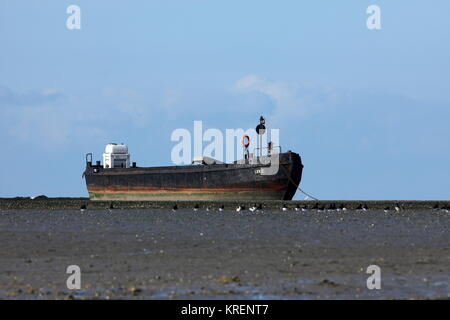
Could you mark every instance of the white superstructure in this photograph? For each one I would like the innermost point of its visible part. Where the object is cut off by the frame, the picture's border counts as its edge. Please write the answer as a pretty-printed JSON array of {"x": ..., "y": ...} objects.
[{"x": 116, "y": 156}]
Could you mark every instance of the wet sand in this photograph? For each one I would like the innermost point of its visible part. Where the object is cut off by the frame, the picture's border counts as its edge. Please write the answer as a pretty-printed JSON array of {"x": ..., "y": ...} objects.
[{"x": 160, "y": 254}]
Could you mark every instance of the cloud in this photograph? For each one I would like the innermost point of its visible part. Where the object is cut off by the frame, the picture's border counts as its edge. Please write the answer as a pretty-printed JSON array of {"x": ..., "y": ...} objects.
[
  {"x": 129, "y": 104},
  {"x": 10, "y": 98},
  {"x": 46, "y": 117},
  {"x": 170, "y": 98},
  {"x": 34, "y": 115},
  {"x": 50, "y": 117},
  {"x": 45, "y": 124},
  {"x": 290, "y": 101}
]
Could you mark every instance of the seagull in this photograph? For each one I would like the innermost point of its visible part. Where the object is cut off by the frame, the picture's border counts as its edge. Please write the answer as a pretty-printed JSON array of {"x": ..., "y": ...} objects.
[
  {"x": 207, "y": 208},
  {"x": 297, "y": 208},
  {"x": 365, "y": 207},
  {"x": 304, "y": 208},
  {"x": 240, "y": 208},
  {"x": 252, "y": 208},
  {"x": 397, "y": 207},
  {"x": 83, "y": 207},
  {"x": 221, "y": 208},
  {"x": 175, "y": 208},
  {"x": 387, "y": 209},
  {"x": 196, "y": 207},
  {"x": 284, "y": 208},
  {"x": 342, "y": 207}
]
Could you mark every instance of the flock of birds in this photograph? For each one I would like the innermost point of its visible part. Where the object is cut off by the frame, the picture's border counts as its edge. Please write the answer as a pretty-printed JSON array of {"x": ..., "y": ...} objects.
[{"x": 303, "y": 208}]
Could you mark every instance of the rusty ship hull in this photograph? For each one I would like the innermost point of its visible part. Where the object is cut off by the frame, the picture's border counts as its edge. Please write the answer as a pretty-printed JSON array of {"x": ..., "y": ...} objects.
[{"x": 236, "y": 181}]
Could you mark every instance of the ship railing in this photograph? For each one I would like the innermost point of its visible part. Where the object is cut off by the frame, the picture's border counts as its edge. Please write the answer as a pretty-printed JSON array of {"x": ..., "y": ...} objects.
[
  {"x": 266, "y": 151},
  {"x": 89, "y": 159}
]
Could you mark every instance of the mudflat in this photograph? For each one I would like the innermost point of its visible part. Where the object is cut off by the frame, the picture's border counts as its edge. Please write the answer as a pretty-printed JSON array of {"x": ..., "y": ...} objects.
[{"x": 187, "y": 254}]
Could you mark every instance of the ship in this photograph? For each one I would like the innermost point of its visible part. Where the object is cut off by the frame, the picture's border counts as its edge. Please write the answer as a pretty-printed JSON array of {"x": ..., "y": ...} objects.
[{"x": 272, "y": 175}]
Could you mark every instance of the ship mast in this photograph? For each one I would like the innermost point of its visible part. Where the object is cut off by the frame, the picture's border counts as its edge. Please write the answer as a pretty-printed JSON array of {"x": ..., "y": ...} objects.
[{"x": 260, "y": 129}]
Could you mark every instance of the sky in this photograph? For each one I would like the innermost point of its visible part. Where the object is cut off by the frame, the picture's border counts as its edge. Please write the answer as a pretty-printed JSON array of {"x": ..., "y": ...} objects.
[{"x": 367, "y": 110}]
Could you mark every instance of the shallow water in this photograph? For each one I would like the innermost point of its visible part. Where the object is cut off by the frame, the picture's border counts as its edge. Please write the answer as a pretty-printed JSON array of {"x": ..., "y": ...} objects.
[{"x": 160, "y": 254}]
